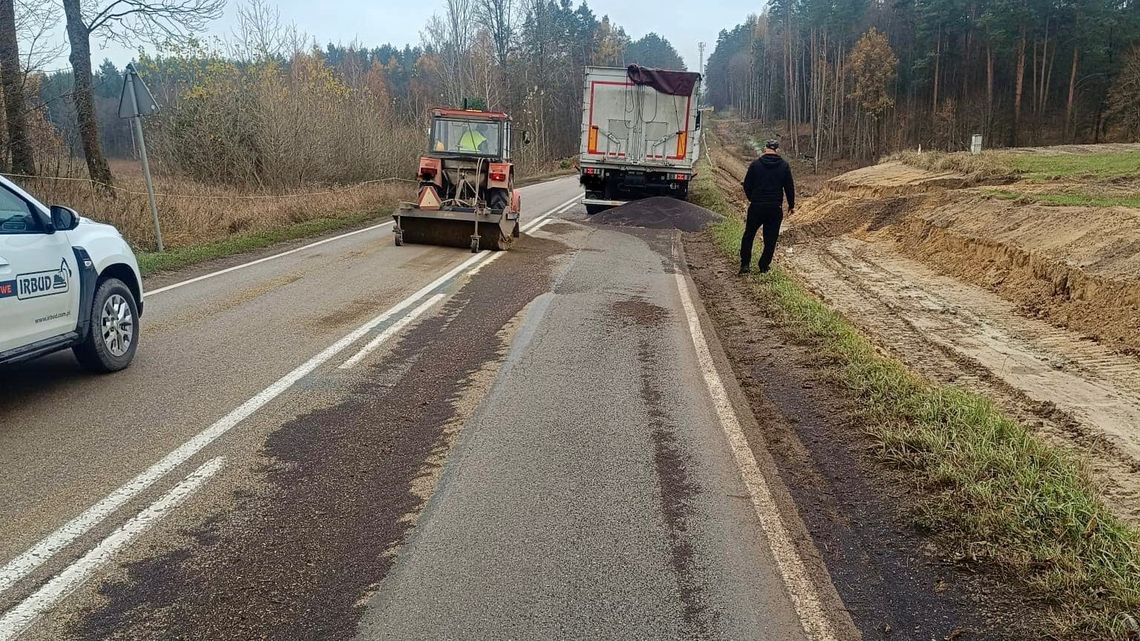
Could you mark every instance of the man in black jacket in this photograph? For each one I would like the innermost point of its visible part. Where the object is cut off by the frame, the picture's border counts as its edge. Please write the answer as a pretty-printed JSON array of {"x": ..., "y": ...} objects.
[{"x": 768, "y": 180}]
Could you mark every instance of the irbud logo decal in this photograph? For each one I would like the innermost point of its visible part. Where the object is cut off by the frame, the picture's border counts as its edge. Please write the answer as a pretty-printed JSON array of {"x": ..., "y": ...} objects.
[{"x": 38, "y": 284}]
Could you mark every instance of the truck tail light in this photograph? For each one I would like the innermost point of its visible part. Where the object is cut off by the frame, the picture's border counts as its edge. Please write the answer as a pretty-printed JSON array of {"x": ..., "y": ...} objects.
[
  {"x": 591, "y": 171},
  {"x": 681, "y": 177},
  {"x": 498, "y": 176},
  {"x": 593, "y": 140}
]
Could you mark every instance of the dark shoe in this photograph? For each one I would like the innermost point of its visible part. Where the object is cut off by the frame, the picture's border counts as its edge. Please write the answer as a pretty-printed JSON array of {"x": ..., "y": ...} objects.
[
  {"x": 744, "y": 271},
  {"x": 765, "y": 270}
]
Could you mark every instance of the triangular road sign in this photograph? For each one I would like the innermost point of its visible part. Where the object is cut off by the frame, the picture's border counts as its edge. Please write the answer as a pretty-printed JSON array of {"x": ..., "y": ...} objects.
[{"x": 142, "y": 103}]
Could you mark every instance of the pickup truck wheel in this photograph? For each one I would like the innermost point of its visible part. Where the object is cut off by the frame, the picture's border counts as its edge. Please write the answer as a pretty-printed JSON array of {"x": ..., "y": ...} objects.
[{"x": 113, "y": 337}]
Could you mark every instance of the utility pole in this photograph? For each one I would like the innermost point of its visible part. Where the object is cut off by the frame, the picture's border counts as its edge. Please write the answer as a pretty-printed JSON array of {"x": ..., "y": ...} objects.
[{"x": 701, "y": 69}]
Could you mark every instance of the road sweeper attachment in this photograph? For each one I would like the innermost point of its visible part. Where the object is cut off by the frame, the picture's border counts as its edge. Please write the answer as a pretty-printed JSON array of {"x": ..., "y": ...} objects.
[{"x": 467, "y": 196}]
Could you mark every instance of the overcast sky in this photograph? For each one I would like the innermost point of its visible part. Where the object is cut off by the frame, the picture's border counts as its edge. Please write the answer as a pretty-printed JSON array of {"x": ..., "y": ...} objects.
[{"x": 371, "y": 23}]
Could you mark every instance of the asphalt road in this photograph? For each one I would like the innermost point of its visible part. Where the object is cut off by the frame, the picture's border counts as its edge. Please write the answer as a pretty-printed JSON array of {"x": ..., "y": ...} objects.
[{"x": 534, "y": 449}]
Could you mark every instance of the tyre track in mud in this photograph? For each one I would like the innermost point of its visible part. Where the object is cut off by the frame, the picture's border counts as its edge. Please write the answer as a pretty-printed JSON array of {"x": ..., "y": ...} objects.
[{"x": 1077, "y": 393}]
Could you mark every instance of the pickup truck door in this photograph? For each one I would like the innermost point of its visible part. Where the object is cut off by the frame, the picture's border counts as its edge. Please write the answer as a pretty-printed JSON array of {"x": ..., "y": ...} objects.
[{"x": 39, "y": 277}]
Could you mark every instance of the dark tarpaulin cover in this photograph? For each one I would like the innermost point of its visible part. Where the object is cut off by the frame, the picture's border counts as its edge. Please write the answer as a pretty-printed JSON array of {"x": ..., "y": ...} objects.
[{"x": 674, "y": 83}]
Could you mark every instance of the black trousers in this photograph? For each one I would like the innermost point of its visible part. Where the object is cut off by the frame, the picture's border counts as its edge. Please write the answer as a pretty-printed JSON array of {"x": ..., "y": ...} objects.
[{"x": 768, "y": 217}]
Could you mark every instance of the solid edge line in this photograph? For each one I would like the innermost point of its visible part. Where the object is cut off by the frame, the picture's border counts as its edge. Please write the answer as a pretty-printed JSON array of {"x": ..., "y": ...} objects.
[
  {"x": 263, "y": 260},
  {"x": 801, "y": 590},
  {"x": 394, "y": 329},
  {"x": 45, "y": 548},
  {"x": 27, "y": 611}
]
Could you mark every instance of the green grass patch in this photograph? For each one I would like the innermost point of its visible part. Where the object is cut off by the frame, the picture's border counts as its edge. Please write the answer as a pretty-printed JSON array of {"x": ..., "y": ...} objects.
[
  {"x": 151, "y": 262},
  {"x": 1076, "y": 199},
  {"x": 1098, "y": 166},
  {"x": 1038, "y": 166},
  {"x": 1003, "y": 496}
]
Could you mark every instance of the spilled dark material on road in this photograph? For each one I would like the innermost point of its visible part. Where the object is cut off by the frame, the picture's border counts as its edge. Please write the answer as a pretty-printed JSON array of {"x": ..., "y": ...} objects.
[
  {"x": 297, "y": 560},
  {"x": 659, "y": 212},
  {"x": 894, "y": 582},
  {"x": 677, "y": 489}
]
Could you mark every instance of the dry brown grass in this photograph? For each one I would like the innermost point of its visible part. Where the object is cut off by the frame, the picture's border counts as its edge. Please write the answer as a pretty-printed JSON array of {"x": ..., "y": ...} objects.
[
  {"x": 192, "y": 213},
  {"x": 980, "y": 168}
]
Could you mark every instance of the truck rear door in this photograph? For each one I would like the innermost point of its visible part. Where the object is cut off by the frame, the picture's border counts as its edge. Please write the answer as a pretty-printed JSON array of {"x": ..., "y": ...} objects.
[{"x": 609, "y": 131}]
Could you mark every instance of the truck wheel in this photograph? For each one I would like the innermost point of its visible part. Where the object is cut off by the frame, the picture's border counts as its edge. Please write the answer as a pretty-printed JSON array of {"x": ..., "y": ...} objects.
[
  {"x": 113, "y": 336},
  {"x": 595, "y": 209}
]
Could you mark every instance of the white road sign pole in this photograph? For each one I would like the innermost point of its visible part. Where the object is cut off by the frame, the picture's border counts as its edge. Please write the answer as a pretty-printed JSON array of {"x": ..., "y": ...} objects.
[{"x": 133, "y": 94}]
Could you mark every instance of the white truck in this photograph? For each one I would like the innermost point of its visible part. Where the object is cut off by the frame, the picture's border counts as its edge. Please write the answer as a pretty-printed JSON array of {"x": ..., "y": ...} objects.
[
  {"x": 640, "y": 134},
  {"x": 65, "y": 282}
]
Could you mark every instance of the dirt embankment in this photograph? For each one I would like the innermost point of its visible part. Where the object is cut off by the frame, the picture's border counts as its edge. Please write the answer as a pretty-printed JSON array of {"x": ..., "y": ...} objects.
[{"x": 1077, "y": 267}]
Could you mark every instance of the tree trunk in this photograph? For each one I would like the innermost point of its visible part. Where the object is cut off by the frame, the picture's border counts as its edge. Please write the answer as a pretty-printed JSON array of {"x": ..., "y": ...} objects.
[
  {"x": 84, "y": 96},
  {"x": 937, "y": 69},
  {"x": 1036, "y": 94},
  {"x": 23, "y": 161},
  {"x": 1019, "y": 87},
  {"x": 989, "y": 91},
  {"x": 1048, "y": 79},
  {"x": 1069, "y": 132}
]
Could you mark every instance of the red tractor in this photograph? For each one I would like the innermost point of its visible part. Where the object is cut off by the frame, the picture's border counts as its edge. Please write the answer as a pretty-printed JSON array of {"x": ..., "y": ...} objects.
[{"x": 466, "y": 196}]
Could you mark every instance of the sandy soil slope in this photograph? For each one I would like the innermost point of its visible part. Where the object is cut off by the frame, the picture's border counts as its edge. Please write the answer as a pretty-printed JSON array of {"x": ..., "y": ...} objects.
[{"x": 1037, "y": 306}]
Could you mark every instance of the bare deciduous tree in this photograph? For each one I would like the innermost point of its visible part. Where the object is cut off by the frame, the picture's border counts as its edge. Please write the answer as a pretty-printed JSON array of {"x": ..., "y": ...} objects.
[
  {"x": 498, "y": 18},
  {"x": 35, "y": 22},
  {"x": 126, "y": 22},
  {"x": 1124, "y": 98},
  {"x": 260, "y": 34},
  {"x": 13, "y": 81}
]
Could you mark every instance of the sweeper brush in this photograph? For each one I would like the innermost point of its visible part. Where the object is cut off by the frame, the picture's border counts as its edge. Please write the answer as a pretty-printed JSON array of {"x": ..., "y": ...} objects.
[
  {"x": 466, "y": 196},
  {"x": 415, "y": 227}
]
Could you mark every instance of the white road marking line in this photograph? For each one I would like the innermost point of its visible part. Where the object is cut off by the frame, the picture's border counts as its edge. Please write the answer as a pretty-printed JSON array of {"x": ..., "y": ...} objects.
[
  {"x": 561, "y": 209},
  {"x": 541, "y": 225},
  {"x": 66, "y": 534},
  {"x": 801, "y": 589},
  {"x": 396, "y": 327},
  {"x": 478, "y": 268},
  {"x": 27, "y": 611},
  {"x": 251, "y": 263},
  {"x": 235, "y": 268}
]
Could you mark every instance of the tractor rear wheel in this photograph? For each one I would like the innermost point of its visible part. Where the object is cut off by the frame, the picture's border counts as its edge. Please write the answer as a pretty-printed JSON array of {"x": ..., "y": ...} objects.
[{"x": 498, "y": 200}]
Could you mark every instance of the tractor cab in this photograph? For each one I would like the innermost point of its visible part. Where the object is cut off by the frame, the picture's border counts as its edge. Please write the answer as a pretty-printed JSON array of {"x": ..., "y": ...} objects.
[{"x": 458, "y": 133}]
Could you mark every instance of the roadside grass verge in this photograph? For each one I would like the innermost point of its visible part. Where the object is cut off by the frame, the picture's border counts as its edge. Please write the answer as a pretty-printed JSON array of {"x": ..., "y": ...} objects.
[
  {"x": 203, "y": 222},
  {"x": 1076, "y": 199},
  {"x": 151, "y": 262},
  {"x": 995, "y": 492}
]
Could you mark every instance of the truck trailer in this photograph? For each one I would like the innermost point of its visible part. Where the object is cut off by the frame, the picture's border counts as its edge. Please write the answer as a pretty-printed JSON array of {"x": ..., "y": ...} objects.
[{"x": 640, "y": 134}]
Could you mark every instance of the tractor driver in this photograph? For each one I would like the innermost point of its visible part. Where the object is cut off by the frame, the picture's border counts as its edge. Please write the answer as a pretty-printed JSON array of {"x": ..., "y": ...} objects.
[{"x": 474, "y": 140}]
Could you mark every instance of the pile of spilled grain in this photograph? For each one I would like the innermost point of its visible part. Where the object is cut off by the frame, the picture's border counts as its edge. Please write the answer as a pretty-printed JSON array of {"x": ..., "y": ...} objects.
[{"x": 658, "y": 213}]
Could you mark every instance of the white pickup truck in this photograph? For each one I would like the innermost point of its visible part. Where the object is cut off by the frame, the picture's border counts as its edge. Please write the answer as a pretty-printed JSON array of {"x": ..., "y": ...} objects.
[{"x": 65, "y": 282}]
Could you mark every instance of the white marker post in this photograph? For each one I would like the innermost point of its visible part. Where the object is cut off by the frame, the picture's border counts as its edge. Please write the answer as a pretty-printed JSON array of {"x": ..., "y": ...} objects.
[{"x": 135, "y": 105}]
